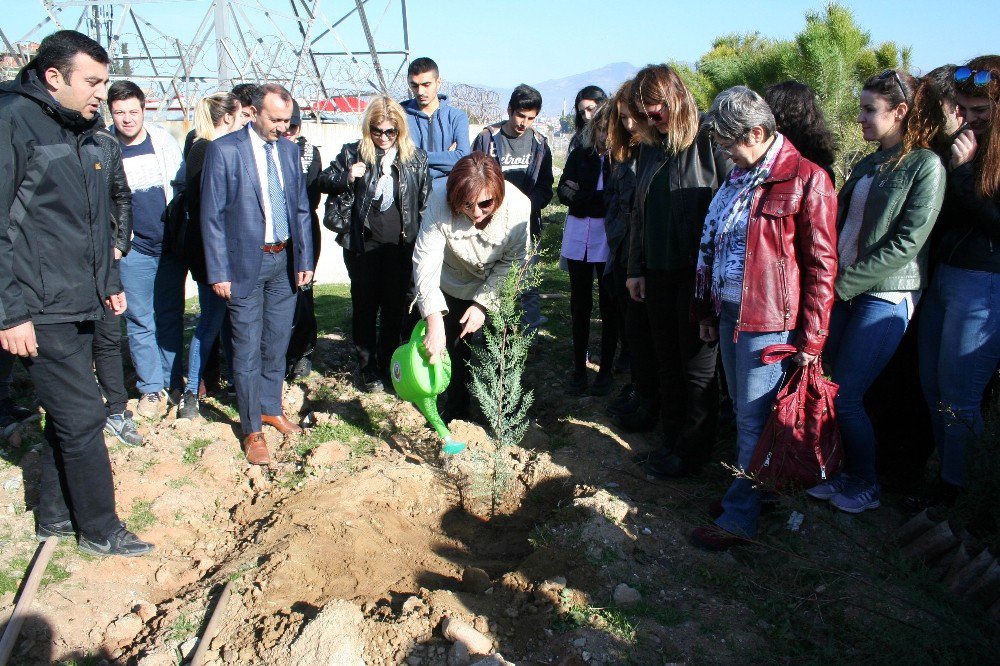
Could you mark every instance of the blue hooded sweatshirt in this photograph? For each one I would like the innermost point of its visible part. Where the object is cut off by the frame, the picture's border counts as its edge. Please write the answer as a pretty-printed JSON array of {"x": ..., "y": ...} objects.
[{"x": 436, "y": 133}]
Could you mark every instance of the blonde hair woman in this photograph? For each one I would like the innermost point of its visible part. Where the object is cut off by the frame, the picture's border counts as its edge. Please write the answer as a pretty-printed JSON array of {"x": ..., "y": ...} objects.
[{"x": 378, "y": 189}]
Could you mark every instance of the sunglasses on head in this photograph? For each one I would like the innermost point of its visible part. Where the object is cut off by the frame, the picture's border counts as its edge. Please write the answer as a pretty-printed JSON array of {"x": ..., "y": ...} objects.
[
  {"x": 980, "y": 77},
  {"x": 891, "y": 72},
  {"x": 485, "y": 204},
  {"x": 387, "y": 133}
]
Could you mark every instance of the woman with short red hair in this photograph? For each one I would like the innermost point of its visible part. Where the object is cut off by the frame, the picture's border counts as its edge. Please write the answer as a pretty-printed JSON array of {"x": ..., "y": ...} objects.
[{"x": 472, "y": 233}]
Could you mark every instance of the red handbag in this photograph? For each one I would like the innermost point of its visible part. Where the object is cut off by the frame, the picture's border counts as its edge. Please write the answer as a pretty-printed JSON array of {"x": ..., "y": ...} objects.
[{"x": 800, "y": 445}]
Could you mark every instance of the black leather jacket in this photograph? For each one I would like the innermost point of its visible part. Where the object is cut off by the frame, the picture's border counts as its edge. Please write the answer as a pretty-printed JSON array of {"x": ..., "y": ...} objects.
[
  {"x": 694, "y": 175},
  {"x": 969, "y": 225},
  {"x": 348, "y": 204},
  {"x": 121, "y": 194}
]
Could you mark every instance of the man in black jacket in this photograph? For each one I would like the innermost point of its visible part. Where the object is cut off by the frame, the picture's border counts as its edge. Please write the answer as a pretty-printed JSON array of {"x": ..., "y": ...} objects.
[
  {"x": 526, "y": 161},
  {"x": 56, "y": 275}
]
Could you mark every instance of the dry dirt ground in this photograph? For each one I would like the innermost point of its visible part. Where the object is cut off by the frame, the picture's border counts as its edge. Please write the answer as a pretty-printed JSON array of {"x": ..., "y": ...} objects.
[{"x": 360, "y": 539}]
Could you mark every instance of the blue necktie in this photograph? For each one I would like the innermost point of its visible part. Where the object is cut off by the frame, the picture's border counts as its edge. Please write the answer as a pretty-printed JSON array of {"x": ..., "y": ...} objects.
[{"x": 279, "y": 214}]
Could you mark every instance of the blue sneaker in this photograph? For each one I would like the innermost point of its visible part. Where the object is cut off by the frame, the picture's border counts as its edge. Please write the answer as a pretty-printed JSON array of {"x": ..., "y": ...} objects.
[
  {"x": 858, "y": 497},
  {"x": 830, "y": 488}
]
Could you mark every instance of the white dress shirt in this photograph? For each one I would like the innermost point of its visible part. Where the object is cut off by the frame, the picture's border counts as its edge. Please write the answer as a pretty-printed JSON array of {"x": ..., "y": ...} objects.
[{"x": 260, "y": 157}]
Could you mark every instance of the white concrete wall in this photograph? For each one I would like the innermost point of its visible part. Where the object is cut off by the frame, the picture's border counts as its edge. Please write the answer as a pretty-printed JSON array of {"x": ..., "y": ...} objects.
[{"x": 329, "y": 138}]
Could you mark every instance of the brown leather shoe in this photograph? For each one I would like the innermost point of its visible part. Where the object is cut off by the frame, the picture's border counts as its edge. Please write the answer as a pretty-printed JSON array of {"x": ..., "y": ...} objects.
[
  {"x": 255, "y": 447},
  {"x": 281, "y": 424}
]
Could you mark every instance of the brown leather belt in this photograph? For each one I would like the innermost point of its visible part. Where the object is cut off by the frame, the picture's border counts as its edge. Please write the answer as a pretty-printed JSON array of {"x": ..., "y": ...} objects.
[{"x": 274, "y": 248}]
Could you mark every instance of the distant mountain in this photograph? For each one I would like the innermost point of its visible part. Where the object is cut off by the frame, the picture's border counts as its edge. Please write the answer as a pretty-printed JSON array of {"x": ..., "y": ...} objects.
[{"x": 555, "y": 91}]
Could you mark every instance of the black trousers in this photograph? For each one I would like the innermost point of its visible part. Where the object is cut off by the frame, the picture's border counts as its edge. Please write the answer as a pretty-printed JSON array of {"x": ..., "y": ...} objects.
[
  {"x": 303, "y": 340},
  {"x": 642, "y": 353},
  {"x": 581, "y": 305},
  {"x": 459, "y": 398},
  {"x": 379, "y": 281},
  {"x": 75, "y": 469},
  {"x": 689, "y": 392},
  {"x": 619, "y": 292},
  {"x": 108, "y": 361},
  {"x": 900, "y": 416}
]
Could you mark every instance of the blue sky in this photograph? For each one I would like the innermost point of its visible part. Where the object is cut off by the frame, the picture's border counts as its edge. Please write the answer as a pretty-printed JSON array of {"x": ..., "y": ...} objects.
[{"x": 502, "y": 43}]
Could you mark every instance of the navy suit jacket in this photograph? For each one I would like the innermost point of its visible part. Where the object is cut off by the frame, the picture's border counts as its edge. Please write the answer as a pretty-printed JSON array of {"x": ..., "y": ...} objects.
[{"x": 232, "y": 211}]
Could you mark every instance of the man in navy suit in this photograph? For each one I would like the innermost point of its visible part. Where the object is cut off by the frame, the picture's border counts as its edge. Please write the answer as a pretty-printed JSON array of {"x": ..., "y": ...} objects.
[{"x": 258, "y": 252}]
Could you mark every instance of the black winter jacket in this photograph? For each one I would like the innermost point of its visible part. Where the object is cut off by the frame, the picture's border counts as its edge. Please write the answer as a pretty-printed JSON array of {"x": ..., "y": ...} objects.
[
  {"x": 694, "y": 174},
  {"x": 348, "y": 204},
  {"x": 619, "y": 197},
  {"x": 537, "y": 184},
  {"x": 121, "y": 193},
  {"x": 969, "y": 226},
  {"x": 56, "y": 262},
  {"x": 583, "y": 167}
]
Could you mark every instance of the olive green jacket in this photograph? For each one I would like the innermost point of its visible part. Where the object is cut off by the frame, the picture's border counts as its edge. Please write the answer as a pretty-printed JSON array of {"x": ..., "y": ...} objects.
[{"x": 903, "y": 204}]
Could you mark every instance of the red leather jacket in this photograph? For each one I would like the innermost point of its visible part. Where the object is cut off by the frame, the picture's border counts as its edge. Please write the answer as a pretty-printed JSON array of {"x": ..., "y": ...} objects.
[{"x": 791, "y": 260}]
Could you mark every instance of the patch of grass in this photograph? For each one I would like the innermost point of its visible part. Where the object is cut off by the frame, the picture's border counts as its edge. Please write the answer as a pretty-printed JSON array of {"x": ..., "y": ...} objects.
[
  {"x": 341, "y": 431},
  {"x": 183, "y": 627},
  {"x": 142, "y": 516},
  {"x": 193, "y": 451},
  {"x": 333, "y": 307},
  {"x": 612, "y": 620},
  {"x": 541, "y": 536},
  {"x": 668, "y": 616},
  {"x": 145, "y": 467},
  {"x": 229, "y": 411},
  {"x": 9, "y": 581},
  {"x": 179, "y": 482}
]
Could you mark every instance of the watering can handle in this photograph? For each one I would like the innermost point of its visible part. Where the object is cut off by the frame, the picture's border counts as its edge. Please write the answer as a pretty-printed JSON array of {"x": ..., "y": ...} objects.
[{"x": 417, "y": 337}]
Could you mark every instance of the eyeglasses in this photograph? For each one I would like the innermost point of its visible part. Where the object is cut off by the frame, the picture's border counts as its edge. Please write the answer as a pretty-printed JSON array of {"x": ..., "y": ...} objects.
[
  {"x": 485, "y": 204},
  {"x": 891, "y": 72},
  {"x": 387, "y": 133},
  {"x": 980, "y": 77}
]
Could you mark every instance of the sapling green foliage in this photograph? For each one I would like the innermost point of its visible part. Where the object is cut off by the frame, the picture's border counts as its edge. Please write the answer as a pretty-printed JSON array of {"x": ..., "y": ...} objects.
[
  {"x": 497, "y": 366},
  {"x": 497, "y": 370}
]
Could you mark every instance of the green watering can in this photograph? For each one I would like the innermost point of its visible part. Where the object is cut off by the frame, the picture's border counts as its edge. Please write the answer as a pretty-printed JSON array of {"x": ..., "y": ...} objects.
[{"x": 419, "y": 382}]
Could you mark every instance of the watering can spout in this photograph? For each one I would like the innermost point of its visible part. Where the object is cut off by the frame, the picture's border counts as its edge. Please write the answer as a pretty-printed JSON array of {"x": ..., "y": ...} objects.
[{"x": 419, "y": 382}]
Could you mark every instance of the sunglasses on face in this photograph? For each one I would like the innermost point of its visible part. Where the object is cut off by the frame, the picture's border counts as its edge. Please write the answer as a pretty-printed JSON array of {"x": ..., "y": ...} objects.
[
  {"x": 980, "y": 77},
  {"x": 387, "y": 133},
  {"x": 656, "y": 116},
  {"x": 485, "y": 204}
]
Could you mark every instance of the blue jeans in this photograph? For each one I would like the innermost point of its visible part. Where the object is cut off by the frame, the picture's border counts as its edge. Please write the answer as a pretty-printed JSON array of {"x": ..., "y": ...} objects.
[
  {"x": 959, "y": 342},
  {"x": 154, "y": 288},
  {"x": 262, "y": 326},
  {"x": 864, "y": 334},
  {"x": 752, "y": 388},
  {"x": 213, "y": 311}
]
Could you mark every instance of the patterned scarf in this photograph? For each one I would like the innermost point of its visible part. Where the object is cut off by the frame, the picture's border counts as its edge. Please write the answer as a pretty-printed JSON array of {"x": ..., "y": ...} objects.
[
  {"x": 383, "y": 188},
  {"x": 718, "y": 238}
]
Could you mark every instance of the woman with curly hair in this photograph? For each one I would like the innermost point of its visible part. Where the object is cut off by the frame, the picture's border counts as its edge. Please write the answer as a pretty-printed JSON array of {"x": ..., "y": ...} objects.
[
  {"x": 887, "y": 209},
  {"x": 799, "y": 117},
  {"x": 960, "y": 325}
]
